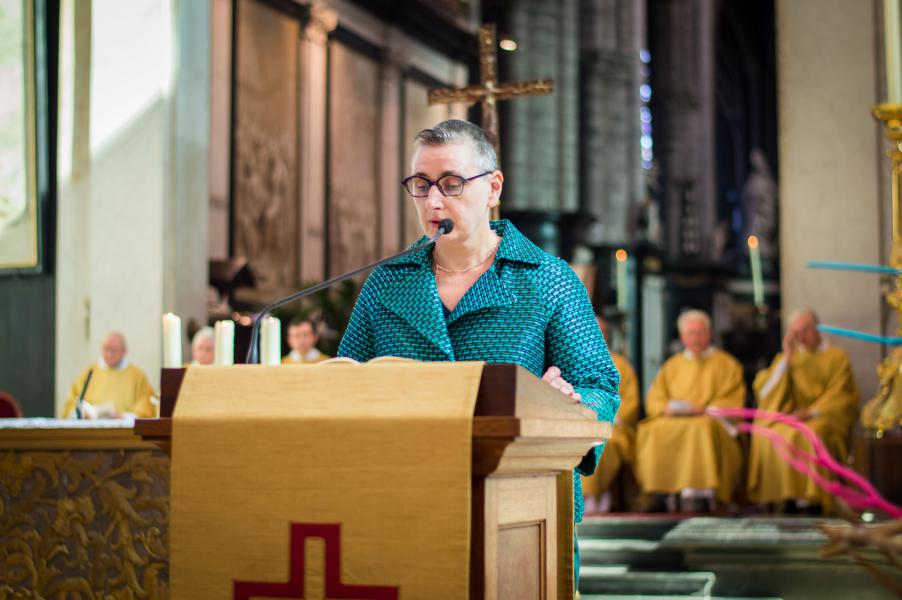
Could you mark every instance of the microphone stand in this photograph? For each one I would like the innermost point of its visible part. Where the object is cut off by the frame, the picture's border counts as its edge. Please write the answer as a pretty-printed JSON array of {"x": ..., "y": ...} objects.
[
  {"x": 252, "y": 358},
  {"x": 80, "y": 402}
]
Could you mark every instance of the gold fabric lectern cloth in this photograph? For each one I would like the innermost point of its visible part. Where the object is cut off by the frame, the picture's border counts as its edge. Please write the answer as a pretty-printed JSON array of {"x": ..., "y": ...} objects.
[{"x": 383, "y": 451}]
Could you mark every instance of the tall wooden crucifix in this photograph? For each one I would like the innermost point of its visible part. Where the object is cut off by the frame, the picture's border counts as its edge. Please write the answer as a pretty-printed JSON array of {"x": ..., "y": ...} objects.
[{"x": 489, "y": 91}]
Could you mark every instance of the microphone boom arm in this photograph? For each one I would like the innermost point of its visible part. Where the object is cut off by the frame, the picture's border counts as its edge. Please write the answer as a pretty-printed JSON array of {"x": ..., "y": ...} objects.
[{"x": 252, "y": 357}]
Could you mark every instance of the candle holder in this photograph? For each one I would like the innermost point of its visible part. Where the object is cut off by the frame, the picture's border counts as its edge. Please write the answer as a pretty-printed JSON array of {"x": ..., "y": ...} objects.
[{"x": 884, "y": 411}]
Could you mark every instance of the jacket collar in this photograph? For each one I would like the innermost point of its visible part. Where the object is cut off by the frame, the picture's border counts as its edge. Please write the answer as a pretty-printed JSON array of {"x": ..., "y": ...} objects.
[
  {"x": 415, "y": 298},
  {"x": 489, "y": 291},
  {"x": 514, "y": 247}
]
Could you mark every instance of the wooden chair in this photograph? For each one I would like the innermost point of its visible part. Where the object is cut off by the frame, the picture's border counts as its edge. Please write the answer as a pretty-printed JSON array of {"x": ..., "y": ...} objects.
[{"x": 9, "y": 408}]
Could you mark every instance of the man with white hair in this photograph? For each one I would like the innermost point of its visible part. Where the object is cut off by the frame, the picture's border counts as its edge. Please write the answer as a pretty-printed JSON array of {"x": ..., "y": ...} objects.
[
  {"x": 203, "y": 346},
  {"x": 116, "y": 388},
  {"x": 812, "y": 381},
  {"x": 679, "y": 449}
]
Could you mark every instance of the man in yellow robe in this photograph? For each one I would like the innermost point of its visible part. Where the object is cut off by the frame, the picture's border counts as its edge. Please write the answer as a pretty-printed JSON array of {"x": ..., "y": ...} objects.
[
  {"x": 620, "y": 449},
  {"x": 302, "y": 340},
  {"x": 679, "y": 449},
  {"x": 116, "y": 389},
  {"x": 812, "y": 381}
]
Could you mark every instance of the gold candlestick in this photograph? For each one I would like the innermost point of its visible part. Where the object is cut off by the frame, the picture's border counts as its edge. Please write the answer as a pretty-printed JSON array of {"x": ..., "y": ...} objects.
[
  {"x": 884, "y": 411},
  {"x": 891, "y": 115}
]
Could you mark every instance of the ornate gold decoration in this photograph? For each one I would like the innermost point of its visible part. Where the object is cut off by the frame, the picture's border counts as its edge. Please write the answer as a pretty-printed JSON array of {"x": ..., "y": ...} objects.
[
  {"x": 884, "y": 411},
  {"x": 84, "y": 524}
]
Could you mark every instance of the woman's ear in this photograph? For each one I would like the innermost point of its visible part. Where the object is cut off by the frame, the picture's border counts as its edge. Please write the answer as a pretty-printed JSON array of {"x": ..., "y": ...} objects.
[{"x": 496, "y": 182}]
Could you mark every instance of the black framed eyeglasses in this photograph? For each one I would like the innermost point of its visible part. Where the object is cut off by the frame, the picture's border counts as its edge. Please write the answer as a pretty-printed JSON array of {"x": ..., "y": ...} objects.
[{"x": 449, "y": 185}]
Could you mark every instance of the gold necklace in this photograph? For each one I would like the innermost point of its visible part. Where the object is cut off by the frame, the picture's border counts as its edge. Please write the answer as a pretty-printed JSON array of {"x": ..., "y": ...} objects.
[{"x": 468, "y": 269}]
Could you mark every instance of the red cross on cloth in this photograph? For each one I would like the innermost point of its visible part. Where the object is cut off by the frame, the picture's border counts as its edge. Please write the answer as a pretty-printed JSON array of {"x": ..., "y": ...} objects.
[{"x": 294, "y": 588}]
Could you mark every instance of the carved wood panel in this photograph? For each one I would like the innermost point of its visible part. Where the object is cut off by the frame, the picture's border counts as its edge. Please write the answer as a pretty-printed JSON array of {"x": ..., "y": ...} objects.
[{"x": 84, "y": 524}]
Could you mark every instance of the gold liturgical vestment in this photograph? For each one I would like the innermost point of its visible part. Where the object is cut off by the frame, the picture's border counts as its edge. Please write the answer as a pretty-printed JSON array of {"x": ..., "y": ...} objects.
[
  {"x": 675, "y": 453},
  {"x": 126, "y": 389},
  {"x": 621, "y": 447},
  {"x": 820, "y": 381}
]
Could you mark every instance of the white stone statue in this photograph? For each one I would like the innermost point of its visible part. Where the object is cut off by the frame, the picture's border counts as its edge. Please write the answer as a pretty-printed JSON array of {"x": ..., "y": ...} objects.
[{"x": 759, "y": 204}]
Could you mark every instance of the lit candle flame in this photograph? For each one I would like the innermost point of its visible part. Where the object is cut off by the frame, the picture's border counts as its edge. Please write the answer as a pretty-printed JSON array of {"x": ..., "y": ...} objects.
[{"x": 507, "y": 44}]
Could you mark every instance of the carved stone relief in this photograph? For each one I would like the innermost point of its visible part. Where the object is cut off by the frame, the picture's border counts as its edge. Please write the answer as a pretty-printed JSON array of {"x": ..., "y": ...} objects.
[
  {"x": 266, "y": 139},
  {"x": 353, "y": 186}
]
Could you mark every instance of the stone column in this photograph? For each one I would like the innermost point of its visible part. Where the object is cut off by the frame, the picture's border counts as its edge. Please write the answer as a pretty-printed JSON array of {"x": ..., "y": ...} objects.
[
  {"x": 611, "y": 36},
  {"x": 73, "y": 235},
  {"x": 832, "y": 164},
  {"x": 187, "y": 201},
  {"x": 312, "y": 184},
  {"x": 390, "y": 161},
  {"x": 132, "y": 224},
  {"x": 540, "y": 141},
  {"x": 683, "y": 78},
  {"x": 220, "y": 126}
]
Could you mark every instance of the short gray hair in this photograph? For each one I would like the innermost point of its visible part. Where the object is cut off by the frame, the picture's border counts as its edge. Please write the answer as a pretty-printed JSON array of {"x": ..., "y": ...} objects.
[
  {"x": 202, "y": 334},
  {"x": 456, "y": 130},
  {"x": 693, "y": 315}
]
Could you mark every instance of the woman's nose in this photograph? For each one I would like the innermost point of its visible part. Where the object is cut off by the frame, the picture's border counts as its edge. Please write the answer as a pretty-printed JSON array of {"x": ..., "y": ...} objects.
[{"x": 434, "y": 198}]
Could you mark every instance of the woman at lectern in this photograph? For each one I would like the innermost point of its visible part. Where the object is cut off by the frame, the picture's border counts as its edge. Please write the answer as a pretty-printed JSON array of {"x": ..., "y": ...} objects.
[{"x": 483, "y": 291}]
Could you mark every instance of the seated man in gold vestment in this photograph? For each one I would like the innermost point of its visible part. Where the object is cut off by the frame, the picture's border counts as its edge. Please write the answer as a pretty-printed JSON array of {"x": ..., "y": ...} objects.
[
  {"x": 302, "y": 340},
  {"x": 679, "y": 449},
  {"x": 812, "y": 381},
  {"x": 620, "y": 449},
  {"x": 116, "y": 388}
]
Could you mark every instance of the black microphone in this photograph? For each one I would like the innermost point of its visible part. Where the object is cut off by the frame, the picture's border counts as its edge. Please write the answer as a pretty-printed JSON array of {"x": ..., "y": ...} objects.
[{"x": 445, "y": 226}]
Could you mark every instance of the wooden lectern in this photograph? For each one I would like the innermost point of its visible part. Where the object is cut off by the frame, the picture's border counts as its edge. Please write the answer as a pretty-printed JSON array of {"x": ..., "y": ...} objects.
[{"x": 526, "y": 439}]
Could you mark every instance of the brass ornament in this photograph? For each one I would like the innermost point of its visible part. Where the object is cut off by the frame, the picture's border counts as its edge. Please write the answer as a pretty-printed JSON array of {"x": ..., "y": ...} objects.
[{"x": 884, "y": 411}]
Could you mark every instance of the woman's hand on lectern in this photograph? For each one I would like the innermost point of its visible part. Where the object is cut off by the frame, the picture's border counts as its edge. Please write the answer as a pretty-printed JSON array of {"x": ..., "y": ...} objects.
[{"x": 553, "y": 377}]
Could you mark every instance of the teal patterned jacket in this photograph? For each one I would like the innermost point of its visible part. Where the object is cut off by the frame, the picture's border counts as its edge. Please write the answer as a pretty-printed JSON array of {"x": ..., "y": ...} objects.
[{"x": 529, "y": 309}]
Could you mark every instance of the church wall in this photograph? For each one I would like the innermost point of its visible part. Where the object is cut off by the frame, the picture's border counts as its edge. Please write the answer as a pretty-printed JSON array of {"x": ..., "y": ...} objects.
[
  {"x": 540, "y": 151},
  {"x": 611, "y": 174},
  {"x": 220, "y": 117},
  {"x": 185, "y": 231},
  {"x": 125, "y": 257},
  {"x": 831, "y": 166},
  {"x": 132, "y": 219}
]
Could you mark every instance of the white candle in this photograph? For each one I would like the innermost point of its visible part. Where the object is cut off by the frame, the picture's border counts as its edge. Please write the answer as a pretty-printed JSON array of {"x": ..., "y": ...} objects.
[
  {"x": 271, "y": 342},
  {"x": 757, "y": 279},
  {"x": 224, "y": 353},
  {"x": 622, "y": 264},
  {"x": 892, "y": 46},
  {"x": 172, "y": 341}
]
